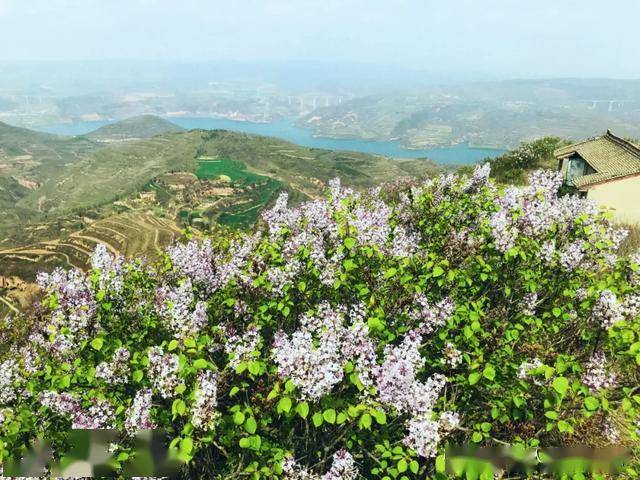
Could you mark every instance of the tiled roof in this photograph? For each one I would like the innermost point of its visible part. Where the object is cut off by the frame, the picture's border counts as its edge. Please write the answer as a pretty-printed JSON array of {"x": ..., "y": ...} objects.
[{"x": 610, "y": 156}]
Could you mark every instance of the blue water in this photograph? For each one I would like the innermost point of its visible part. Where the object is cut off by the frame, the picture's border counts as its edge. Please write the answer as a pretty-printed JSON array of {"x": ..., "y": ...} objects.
[{"x": 285, "y": 129}]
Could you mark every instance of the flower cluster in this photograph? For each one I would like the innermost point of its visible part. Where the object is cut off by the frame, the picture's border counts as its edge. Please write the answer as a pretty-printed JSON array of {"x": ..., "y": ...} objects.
[
  {"x": 75, "y": 308},
  {"x": 163, "y": 371},
  {"x": 116, "y": 371},
  {"x": 138, "y": 416},
  {"x": 109, "y": 269},
  {"x": 607, "y": 310},
  {"x": 99, "y": 415},
  {"x": 206, "y": 401},
  {"x": 314, "y": 356},
  {"x": 174, "y": 304},
  {"x": 9, "y": 374},
  {"x": 240, "y": 347},
  {"x": 596, "y": 375},
  {"x": 342, "y": 468}
]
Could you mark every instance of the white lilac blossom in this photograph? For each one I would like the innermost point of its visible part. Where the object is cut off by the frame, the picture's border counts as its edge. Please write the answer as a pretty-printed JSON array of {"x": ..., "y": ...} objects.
[
  {"x": 240, "y": 347},
  {"x": 174, "y": 305},
  {"x": 8, "y": 377},
  {"x": 529, "y": 303},
  {"x": 195, "y": 262},
  {"x": 607, "y": 310},
  {"x": 314, "y": 356},
  {"x": 503, "y": 231},
  {"x": 548, "y": 251},
  {"x": 596, "y": 375},
  {"x": 117, "y": 371},
  {"x": 343, "y": 467},
  {"x": 281, "y": 277},
  {"x": 572, "y": 255},
  {"x": 396, "y": 378},
  {"x": 206, "y": 400},
  {"x": 109, "y": 269},
  {"x": 526, "y": 368},
  {"x": 451, "y": 355},
  {"x": 423, "y": 435},
  {"x": 138, "y": 416},
  {"x": 76, "y": 306},
  {"x": 99, "y": 415},
  {"x": 163, "y": 371},
  {"x": 430, "y": 317},
  {"x": 631, "y": 305}
]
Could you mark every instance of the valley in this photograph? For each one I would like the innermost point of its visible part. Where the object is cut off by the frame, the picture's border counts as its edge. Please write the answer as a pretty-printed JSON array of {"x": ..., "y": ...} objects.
[{"x": 136, "y": 185}]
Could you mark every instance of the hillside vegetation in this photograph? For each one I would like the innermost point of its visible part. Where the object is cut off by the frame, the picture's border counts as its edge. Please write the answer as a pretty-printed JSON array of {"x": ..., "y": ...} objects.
[
  {"x": 142, "y": 126},
  {"x": 349, "y": 337},
  {"x": 57, "y": 194}
]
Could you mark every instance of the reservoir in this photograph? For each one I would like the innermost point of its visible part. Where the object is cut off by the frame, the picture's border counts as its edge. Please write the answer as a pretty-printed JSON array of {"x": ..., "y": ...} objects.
[{"x": 287, "y": 130}]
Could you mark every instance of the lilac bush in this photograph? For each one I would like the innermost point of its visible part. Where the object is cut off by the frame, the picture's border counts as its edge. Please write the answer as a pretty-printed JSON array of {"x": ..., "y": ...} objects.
[{"x": 351, "y": 336}]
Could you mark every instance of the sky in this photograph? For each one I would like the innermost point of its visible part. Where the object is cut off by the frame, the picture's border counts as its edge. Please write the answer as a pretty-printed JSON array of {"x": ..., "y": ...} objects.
[{"x": 487, "y": 38}]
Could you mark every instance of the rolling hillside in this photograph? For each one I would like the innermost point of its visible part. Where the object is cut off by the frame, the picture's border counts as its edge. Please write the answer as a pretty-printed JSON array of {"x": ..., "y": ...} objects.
[
  {"x": 59, "y": 196},
  {"x": 142, "y": 126}
]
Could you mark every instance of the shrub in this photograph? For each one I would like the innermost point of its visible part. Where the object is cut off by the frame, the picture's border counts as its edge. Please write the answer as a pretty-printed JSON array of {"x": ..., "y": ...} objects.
[
  {"x": 350, "y": 336},
  {"x": 514, "y": 166}
]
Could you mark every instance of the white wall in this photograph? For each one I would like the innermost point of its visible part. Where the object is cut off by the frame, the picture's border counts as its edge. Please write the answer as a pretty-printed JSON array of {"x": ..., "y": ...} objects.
[{"x": 623, "y": 196}]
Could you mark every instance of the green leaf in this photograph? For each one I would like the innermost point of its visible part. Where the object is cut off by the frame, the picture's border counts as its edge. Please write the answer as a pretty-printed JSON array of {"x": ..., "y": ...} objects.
[
  {"x": 200, "y": 364},
  {"x": 380, "y": 416},
  {"x": 551, "y": 415},
  {"x": 349, "y": 242},
  {"x": 138, "y": 375},
  {"x": 303, "y": 409},
  {"x": 329, "y": 415},
  {"x": 245, "y": 442},
  {"x": 591, "y": 403},
  {"x": 489, "y": 372},
  {"x": 250, "y": 425},
  {"x": 476, "y": 437},
  {"x": 97, "y": 343},
  {"x": 564, "y": 426},
  {"x": 238, "y": 418},
  {"x": 440, "y": 464},
  {"x": 318, "y": 419},
  {"x": 365, "y": 421},
  {"x": 560, "y": 385},
  {"x": 556, "y": 311},
  {"x": 186, "y": 445},
  {"x": 402, "y": 465},
  {"x": 173, "y": 344},
  {"x": 284, "y": 405},
  {"x": 437, "y": 271},
  {"x": 178, "y": 407},
  {"x": 473, "y": 378},
  {"x": 254, "y": 368},
  {"x": 414, "y": 466}
]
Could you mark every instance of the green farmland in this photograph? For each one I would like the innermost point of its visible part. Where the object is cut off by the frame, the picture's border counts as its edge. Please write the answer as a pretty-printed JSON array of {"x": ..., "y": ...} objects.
[
  {"x": 236, "y": 171},
  {"x": 260, "y": 189}
]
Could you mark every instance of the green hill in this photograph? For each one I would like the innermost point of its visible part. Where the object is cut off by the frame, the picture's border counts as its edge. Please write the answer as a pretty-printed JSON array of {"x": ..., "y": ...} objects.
[{"x": 142, "y": 126}]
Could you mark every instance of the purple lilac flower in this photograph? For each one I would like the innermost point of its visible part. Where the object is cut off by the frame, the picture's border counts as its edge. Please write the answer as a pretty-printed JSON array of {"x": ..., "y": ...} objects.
[
  {"x": 117, "y": 371},
  {"x": 596, "y": 375},
  {"x": 206, "y": 400},
  {"x": 163, "y": 371},
  {"x": 138, "y": 416},
  {"x": 607, "y": 310}
]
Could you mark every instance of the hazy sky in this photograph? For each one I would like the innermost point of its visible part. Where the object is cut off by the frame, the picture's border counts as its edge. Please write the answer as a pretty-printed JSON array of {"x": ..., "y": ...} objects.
[{"x": 488, "y": 37}]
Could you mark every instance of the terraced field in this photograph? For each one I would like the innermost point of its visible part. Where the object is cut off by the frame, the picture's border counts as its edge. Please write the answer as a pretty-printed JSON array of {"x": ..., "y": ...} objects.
[{"x": 128, "y": 234}]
